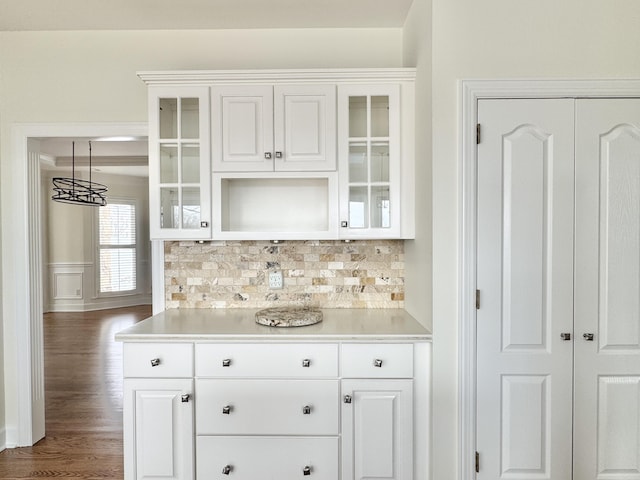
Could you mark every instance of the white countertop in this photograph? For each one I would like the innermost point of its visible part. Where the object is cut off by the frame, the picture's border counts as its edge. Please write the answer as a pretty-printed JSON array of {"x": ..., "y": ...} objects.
[{"x": 239, "y": 324}]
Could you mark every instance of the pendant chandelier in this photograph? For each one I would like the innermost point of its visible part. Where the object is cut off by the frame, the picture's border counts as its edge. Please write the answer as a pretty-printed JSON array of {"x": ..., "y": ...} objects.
[{"x": 77, "y": 191}]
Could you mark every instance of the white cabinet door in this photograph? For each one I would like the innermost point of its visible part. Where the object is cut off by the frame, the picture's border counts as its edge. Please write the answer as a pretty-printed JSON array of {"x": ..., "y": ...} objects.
[
  {"x": 369, "y": 161},
  {"x": 179, "y": 163},
  {"x": 525, "y": 278},
  {"x": 261, "y": 128},
  {"x": 158, "y": 429},
  {"x": 607, "y": 290},
  {"x": 305, "y": 128},
  {"x": 242, "y": 123},
  {"x": 377, "y": 429}
]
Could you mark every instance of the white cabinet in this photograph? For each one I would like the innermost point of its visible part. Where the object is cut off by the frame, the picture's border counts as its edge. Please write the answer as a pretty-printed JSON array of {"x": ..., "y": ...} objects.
[
  {"x": 158, "y": 411},
  {"x": 372, "y": 163},
  {"x": 377, "y": 411},
  {"x": 179, "y": 163},
  {"x": 265, "y": 128},
  {"x": 377, "y": 429},
  {"x": 281, "y": 154},
  {"x": 332, "y": 406}
]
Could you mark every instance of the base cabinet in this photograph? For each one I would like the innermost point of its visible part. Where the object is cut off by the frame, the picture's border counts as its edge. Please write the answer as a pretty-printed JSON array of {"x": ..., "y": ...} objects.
[
  {"x": 158, "y": 433},
  {"x": 272, "y": 411},
  {"x": 377, "y": 429}
]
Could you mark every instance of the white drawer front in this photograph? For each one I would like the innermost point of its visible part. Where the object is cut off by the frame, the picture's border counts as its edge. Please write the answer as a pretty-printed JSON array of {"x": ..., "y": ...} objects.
[
  {"x": 266, "y": 360},
  {"x": 267, "y": 458},
  {"x": 158, "y": 360},
  {"x": 377, "y": 360},
  {"x": 267, "y": 407}
]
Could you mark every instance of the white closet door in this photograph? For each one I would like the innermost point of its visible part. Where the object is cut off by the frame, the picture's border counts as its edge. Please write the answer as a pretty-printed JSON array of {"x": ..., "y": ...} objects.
[
  {"x": 525, "y": 273},
  {"x": 607, "y": 290}
]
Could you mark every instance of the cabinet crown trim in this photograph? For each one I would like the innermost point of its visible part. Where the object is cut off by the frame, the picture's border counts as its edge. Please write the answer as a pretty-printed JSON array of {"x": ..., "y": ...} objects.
[{"x": 205, "y": 77}]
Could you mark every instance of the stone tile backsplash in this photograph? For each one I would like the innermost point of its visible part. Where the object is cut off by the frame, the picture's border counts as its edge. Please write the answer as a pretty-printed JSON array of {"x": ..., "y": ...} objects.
[{"x": 327, "y": 274}]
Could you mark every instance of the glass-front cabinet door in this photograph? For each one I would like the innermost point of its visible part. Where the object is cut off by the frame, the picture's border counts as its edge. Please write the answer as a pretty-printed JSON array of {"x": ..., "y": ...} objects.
[
  {"x": 179, "y": 163},
  {"x": 369, "y": 159}
]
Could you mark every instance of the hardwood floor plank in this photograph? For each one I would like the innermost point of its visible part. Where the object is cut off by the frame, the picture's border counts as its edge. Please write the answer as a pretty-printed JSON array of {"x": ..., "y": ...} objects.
[{"x": 83, "y": 399}]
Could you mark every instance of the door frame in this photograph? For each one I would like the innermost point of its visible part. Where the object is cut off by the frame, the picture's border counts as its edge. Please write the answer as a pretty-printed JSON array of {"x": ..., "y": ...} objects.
[
  {"x": 21, "y": 266},
  {"x": 469, "y": 93}
]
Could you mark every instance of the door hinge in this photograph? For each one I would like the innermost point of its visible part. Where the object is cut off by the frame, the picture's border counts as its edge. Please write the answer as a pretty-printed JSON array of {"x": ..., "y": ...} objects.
[
  {"x": 477, "y": 462},
  {"x": 478, "y": 134},
  {"x": 477, "y": 299}
]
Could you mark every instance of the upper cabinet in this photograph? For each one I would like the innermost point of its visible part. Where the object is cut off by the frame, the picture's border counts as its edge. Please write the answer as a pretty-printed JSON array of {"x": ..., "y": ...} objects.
[
  {"x": 179, "y": 163},
  {"x": 281, "y": 154},
  {"x": 370, "y": 161},
  {"x": 265, "y": 128}
]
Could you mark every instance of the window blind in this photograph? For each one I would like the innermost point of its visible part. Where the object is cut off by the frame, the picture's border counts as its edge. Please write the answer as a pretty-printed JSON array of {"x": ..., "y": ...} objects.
[{"x": 117, "y": 245}]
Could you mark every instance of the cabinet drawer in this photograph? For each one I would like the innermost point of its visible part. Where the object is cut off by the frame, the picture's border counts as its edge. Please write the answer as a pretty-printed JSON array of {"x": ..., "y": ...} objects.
[
  {"x": 158, "y": 360},
  {"x": 266, "y": 360},
  {"x": 251, "y": 458},
  {"x": 377, "y": 360},
  {"x": 267, "y": 407}
]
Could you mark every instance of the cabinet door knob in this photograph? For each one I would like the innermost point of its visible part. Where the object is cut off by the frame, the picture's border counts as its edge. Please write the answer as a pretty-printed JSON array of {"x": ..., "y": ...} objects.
[
  {"x": 306, "y": 410},
  {"x": 306, "y": 362},
  {"x": 185, "y": 398},
  {"x": 226, "y": 362},
  {"x": 204, "y": 224},
  {"x": 347, "y": 399},
  {"x": 377, "y": 362},
  {"x": 588, "y": 337},
  {"x": 267, "y": 155},
  {"x": 226, "y": 470},
  {"x": 565, "y": 336},
  {"x": 226, "y": 410},
  {"x": 155, "y": 362},
  {"x": 306, "y": 470},
  {"x": 278, "y": 154},
  {"x": 344, "y": 224}
]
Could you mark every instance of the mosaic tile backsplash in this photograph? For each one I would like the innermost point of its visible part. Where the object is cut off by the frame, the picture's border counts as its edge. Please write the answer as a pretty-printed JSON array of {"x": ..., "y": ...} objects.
[{"x": 326, "y": 274}]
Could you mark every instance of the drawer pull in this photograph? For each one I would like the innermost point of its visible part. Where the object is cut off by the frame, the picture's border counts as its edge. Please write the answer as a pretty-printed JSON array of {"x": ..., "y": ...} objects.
[
  {"x": 306, "y": 470},
  {"x": 226, "y": 410},
  {"x": 226, "y": 362},
  {"x": 306, "y": 363},
  {"x": 377, "y": 362},
  {"x": 155, "y": 362},
  {"x": 347, "y": 399},
  {"x": 226, "y": 470},
  {"x": 306, "y": 410},
  {"x": 185, "y": 398}
]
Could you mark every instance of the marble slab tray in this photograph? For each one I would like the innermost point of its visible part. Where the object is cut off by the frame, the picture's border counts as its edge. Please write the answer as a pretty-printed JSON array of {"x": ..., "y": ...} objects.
[{"x": 288, "y": 316}]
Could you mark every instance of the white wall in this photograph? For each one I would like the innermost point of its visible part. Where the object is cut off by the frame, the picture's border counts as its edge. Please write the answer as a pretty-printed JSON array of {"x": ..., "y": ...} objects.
[
  {"x": 77, "y": 77},
  {"x": 71, "y": 243},
  {"x": 501, "y": 39}
]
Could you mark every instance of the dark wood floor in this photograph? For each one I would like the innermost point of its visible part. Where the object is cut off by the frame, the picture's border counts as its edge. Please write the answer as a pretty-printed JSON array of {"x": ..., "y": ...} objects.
[{"x": 83, "y": 398}]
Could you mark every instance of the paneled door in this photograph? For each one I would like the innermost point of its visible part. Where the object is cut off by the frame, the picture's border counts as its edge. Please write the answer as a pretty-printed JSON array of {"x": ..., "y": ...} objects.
[
  {"x": 525, "y": 278},
  {"x": 558, "y": 328},
  {"x": 607, "y": 290}
]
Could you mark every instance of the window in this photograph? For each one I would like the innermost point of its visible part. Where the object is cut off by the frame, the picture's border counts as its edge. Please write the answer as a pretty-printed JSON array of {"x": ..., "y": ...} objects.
[{"x": 117, "y": 246}]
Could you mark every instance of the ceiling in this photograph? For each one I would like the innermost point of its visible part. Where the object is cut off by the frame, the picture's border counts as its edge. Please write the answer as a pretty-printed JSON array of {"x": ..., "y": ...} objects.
[
  {"x": 112, "y": 155},
  {"x": 29, "y": 15}
]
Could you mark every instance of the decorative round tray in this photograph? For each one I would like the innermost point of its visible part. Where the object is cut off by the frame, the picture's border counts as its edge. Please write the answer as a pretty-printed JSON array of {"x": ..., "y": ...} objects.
[{"x": 288, "y": 316}]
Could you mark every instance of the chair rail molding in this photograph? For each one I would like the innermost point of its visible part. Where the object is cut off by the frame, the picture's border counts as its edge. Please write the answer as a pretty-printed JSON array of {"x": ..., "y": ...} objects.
[{"x": 470, "y": 91}]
